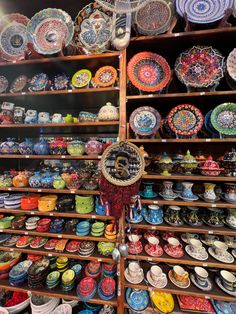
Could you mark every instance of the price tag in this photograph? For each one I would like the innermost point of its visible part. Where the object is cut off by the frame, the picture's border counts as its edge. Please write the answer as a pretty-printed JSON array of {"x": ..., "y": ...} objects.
[
  {"x": 176, "y": 34},
  {"x": 213, "y": 205},
  {"x": 51, "y": 214},
  {"x": 69, "y": 90},
  {"x": 27, "y": 156},
  {"x": 99, "y": 259},
  {"x": 9, "y": 189},
  {"x": 1, "y": 230},
  {"x": 26, "y": 233},
  {"x": 202, "y": 93},
  {"x": 208, "y": 139},
  {"x": 14, "y": 61},
  {"x": 205, "y": 265},
  {"x": 150, "y": 95},
  {"x": 94, "y": 216},
  {"x": 155, "y": 202},
  {"x": 59, "y": 236},
  {"x": 207, "y": 297},
  {"x": 150, "y": 259},
  {"x": 72, "y": 191},
  {"x": 23, "y": 93},
  {"x": 49, "y": 255},
  {"x": 153, "y": 227},
  {"x": 32, "y": 213},
  {"x": 117, "y": 87},
  {"x": 99, "y": 157},
  {"x": 12, "y": 250},
  {"x": 39, "y": 190},
  {"x": 63, "y": 157},
  {"x": 163, "y": 140},
  {"x": 210, "y": 232}
]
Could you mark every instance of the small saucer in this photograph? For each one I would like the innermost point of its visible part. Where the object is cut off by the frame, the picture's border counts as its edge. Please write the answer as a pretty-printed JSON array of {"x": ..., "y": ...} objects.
[
  {"x": 227, "y": 258},
  {"x": 208, "y": 200},
  {"x": 135, "y": 221},
  {"x": 173, "y": 254},
  {"x": 159, "y": 252},
  {"x": 199, "y": 256},
  {"x": 220, "y": 285},
  {"x": 183, "y": 285},
  {"x": 154, "y": 194},
  {"x": 136, "y": 280},
  {"x": 184, "y": 238},
  {"x": 168, "y": 197},
  {"x": 153, "y": 223},
  {"x": 195, "y": 198},
  {"x": 173, "y": 224},
  {"x": 214, "y": 226},
  {"x": 227, "y": 200},
  {"x": 207, "y": 287},
  {"x": 156, "y": 284}
]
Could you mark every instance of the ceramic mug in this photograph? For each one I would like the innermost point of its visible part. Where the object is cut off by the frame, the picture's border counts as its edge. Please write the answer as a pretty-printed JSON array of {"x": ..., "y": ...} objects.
[
  {"x": 153, "y": 242},
  {"x": 220, "y": 248},
  {"x": 134, "y": 269},
  {"x": 133, "y": 238},
  {"x": 173, "y": 243},
  {"x": 195, "y": 245},
  {"x": 180, "y": 274},
  {"x": 228, "y": 280},
  {"x": 156, "y": 274},
  {"x": 201, "y": 275}
]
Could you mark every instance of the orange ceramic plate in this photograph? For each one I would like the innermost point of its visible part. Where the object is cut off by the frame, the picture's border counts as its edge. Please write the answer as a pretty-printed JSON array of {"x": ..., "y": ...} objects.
[{"x": 105, "y": 76}]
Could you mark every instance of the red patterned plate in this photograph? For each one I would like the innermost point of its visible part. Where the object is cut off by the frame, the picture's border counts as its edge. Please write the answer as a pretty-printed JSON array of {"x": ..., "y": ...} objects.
[
  {"x": 50, "y": 245},
  {"x": 195, "y": 304},
  {"x": 87, "y": 286},
  {"x": 176, "y": 252},
  {"x": 73, "y": 246},
  {"x": 185, "y": 120},
  {"x": 149, "y": 71},
  {"x": 105, "y": 76}
]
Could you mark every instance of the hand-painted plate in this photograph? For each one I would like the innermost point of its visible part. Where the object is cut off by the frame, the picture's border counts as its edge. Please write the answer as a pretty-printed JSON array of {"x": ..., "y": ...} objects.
[
  {"x": 200, "y": 66},
  {"x": 49, "y": 30},
  {"x": 185, "y": 120},
  {"x": 223, "y": 118},
  {"x": 60, "y": 82},
  {"x": 19, "y": 84},
  {"x": 145, "y": 121},
  {"x": 93, "y": 29},
  {"x": 208, "y": 125},
  {"x": 105, "y": 76},
  {"x": 231, "y": 64},
  {"x": 3, "y": 84},
  {"x": 149, "y": 71},
  {"x": 137, "y": 299},
  {"x": 81, "y": 78},
  {"x": 203, "y": 11},
  {"x": 163, "y": 301},
  {"x": 13, "y": 37},
  {"x": 38, "y": 82}
]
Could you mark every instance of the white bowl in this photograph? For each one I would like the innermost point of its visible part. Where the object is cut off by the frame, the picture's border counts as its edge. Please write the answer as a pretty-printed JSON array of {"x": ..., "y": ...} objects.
[
  {"x": 63, "y": 309},
  {"x": 19, "y": 307},
  {"x": 73, "y": 303},
  {"x": 3, "y": 311}
]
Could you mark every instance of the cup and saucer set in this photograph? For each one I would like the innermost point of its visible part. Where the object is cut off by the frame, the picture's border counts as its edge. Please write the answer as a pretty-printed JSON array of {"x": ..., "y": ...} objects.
[
  {"x": 209, "y": 239},
  {"x": 200, "y": 278},
  {"x": 153, "y": 214},
  {"x": 187, "y": 193},
  {"x": 134, "y": 216},
  {"x": 134, "y": 244},
  {"x": 226, "y": 281},
  {"x": 220, "y": 253},
  {"x": 186, "y": 237},
  {"x": 174, "y": 248},
  {"x": 134, "y": 273},
  {"x": 179, "y": 277},
  {"x": 153, "y": 247},
  {"x": 196, "y": 250},
  {"x": 156, "y": 277}
]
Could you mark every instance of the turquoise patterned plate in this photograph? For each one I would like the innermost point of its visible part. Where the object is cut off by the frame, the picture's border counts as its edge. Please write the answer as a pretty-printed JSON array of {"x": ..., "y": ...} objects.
[
  {"x": 137, "y": 299},
  {"x": 223, "y": 118}
]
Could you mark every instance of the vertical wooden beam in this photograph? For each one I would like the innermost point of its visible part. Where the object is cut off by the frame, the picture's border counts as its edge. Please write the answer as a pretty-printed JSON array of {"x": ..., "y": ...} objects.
[{"x": 122, "y": 65}]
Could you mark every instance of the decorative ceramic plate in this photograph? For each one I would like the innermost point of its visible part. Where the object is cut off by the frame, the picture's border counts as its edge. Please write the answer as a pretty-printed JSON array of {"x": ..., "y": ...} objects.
[
  {"x": 154, "y": 18},
  {"x": 208, "y": 125},
  {"x": 137, "y": 299},
  {"x": 220, "y": 285},
  {"x": 50, "y": 30},
  {"x": 149, "y": 71},
  {"x": 186, "y": 120},
  {"x": 203, "y": 11},
  {"x": 81, "y": 78},
  {"x": 38, "y": 83},
  {"x": 93, "y": 29},
  {"x": 3, "y": 84},
  {"x": 60, "y": 82},
  {"x": 223, "y": 118},
  {"x": 231, "y": 64},
  {"x": 163, "y": 301},
  {"x": 13, "y": 37},
  {"x": 200, "y": 66},
  {"x": 184, "y": 285},
  {"x": 19, "y": 84},
  {"x": 145, "y": 121},
  {"x": 105, "y": 76}
]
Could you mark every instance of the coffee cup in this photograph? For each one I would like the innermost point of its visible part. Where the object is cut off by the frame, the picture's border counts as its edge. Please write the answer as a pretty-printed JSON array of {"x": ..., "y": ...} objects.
[
  {"x": 220, "y": 248},
  {"x": 133, "y": 238},
  {"x": 173, "y": 243},
  {"x": 180, "y": 274},
  {"x": 153, "y": 242},
  {"x": 209, "y": 238},
  {"x": 201, "y": 275},
  {"x": 196, "y": 245},
  {"x": 190, "y": 236},
  {"x": 156, "y": 273},
  {"x": 228, "y": 280},
  {"x": 134, "y": 269},
  {"x": 230, "y": 240}
]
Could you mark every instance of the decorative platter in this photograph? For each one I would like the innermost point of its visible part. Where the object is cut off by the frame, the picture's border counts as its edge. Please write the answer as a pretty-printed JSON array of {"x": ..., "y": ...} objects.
[
  {"x": 49, "y": 30},
  {"x": 19, "y": 84},
  {"x": 81, "y": 78},
  {"x": 162, "y": 301},
  {"x": 223, "y": 118},
  {"x": 105, "y": 76},
  {"x": 60, "y": 82},
  {"x": 203, "y": 11},
  {"x": 145, "y": 121},
  {"x": 38, "y": 82},
  {"x": 154, "y": 18},
  {"x": 149, "y": 71},
  {"x": 13, "y": 37},
  {"x": 93, "y": 29},
  {"x": 185, "y": 120},
  {"x": 137, "y": 299},
  {"x": 200, "y": 66},
  {"x": 122, "y": 164},
  {"x": 208, "y": 125},
  {"x": 231, "y": 64},
  {"x": 3, "y": 84}
]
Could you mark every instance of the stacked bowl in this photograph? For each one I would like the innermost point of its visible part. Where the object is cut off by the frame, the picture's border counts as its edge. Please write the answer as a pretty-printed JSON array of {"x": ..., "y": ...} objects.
[
  {"x": 2, "y": 197},
  {"x": 93, "y": 269},
  {"x": 110, "y": 232},
  {"x": 63, "y": 309},
  {"x": 77, "y": 268},
  {"x": 98, "y": 229},
  {"x": 86, "y": 289},
  {"x": 83, "y": 228},
  {"x": 84, "y": 204},
  {"x": 57, "y": 225},
  {"x": 107, "y": 288},
  {"x": 18, "y": 274},
  {"x": 86, "y": 248},
  {"x": 53, "y": 279},
  {"x": 37, "y": 273},
  {"x": 31, "y": 223},
  {"x": 68, "y": 280},
  {"x": 109, "y": 269},
  {"x": 13, "y": 201},
  {"x": 62, "y": 264},
  {"x": 43, "y": 225}
]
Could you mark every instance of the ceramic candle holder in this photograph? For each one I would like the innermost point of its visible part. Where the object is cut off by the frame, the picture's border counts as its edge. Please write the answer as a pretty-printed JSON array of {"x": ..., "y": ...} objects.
[
  {"x": 201, "y": 275},
  {"x": 228, "y": 280}
]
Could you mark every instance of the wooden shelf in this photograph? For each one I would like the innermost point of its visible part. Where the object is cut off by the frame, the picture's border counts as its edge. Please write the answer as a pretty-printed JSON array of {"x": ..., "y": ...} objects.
[
  {"x": 62, "y": 92},
  {"x": 55, "y": 293},
  {"x": 204, "y": 229},
  {"x": 61, "y": 125},
  {"x": 71, "y": 214},
  {"x": 62, "y": 235},
  {"x": 183, "y": 140},
  {"x": 84, "y": 157},
  {"x": 95, "y": 257},
  {"x": 187, "y": 177},
  {"x": 62, "y": 59},
  {"x": 55, "y": 191}
]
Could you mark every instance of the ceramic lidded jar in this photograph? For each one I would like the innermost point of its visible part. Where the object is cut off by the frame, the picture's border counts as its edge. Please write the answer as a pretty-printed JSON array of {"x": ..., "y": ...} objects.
[
  {"x": 59, "y": 183},
  {"x": 26, "y": 147},
  {"x": 43, "y": 117},
  {"x": 35, "y": 180},
  {"x": 58, "y": 146},
  {"x": 68, "y": 118},
  {"x": 41, "y": 147},
  {"x": 20, "y": 181},
  {"x": 210, "y": 167},
  {"x": 108, "y": 113},
  {"x": 31, "y": 116},
  {"x": 76, "y": 148},
  {"x": 165, "y": 164},
  {"x": 93, "y": 147},
  {"x": 10, "y": 146},
  {"x": 188, "y": 163},
  {"x": 47, "y": 180}
]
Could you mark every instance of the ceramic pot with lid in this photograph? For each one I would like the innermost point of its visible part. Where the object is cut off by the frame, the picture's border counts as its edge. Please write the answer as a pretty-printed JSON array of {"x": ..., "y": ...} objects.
[
  {"x": 58, "y": 146},
  {"x": 93, "y": 147},
  {"x": 76, "y": 148},
  {"x": 108, "y": 113},
  {"x": 10, "y": 146},
  {"x": 188, "y": 163},
  {"x": 21, "y": 180},
  {"x": 210, "y": 167},
  {"x": 41, "y": 147},
  {"x": 26, "y": 147}
]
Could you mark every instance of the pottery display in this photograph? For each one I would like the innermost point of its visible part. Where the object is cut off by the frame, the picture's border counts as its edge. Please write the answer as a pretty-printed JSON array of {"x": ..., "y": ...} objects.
[
  {"x": 35, "y": 180},
  {"x": 26, "y": 147},
  {"x": 41, "y": 147},
  {"x": 137, "y": 300},
  {"x": 43, "y": 117},
  {"x": 93, "y": 147},
  {"x": 231, "y": 218},
  {"x": 200, "y": 278},
  {"x": 209, "y": 193},
  {"x": 223, "y": 119},
  {"x": 229, "y": 162},
  {"x": 220, "y": 253},
  {"x": 47, "y": 180},
  {"x": 210, "y": 167},
  {"x": 179, "y": 277},
  {"x": 214, "y": 217},
  {"x": 167, "y": 191},
  {"x": 10, "y": 146},
  {"x": 188, "y": 163},
  {"x": 21, "y": 180},
  {"x": 31, "y": 117},
  {"x": 58, "y": 146},
  {"x": 57, "y": 118},
  {"x": 85, "y": 116},
  {"x": 173, "y": 216},
  {"x": 148, "y": 190},
  {"x": 196, "y": 250},
  {"x": 166, "y": 164},
  {"x": 108, "y": 112},
  {"x": 105, "y": 76},
  {"x": 192, "y": 216},
  {"x": 156, "y": 277},
  {"x": 153, "y": 214},
  {"x": 75, "y": 148},
  {"x": 187, "y": 194},
  {"x": 133, "y": 273},
  {"x": 174, "y": 248}
]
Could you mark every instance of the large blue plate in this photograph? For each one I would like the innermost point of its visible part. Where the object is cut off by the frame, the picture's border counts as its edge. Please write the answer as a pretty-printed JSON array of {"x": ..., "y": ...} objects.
[{"x": 137, "y": 299}]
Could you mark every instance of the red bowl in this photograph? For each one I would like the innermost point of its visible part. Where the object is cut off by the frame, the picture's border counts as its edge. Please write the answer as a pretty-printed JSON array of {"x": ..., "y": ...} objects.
[
  {"x": 108, "y": 285},
  {"x": 87, "y": 286}
]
